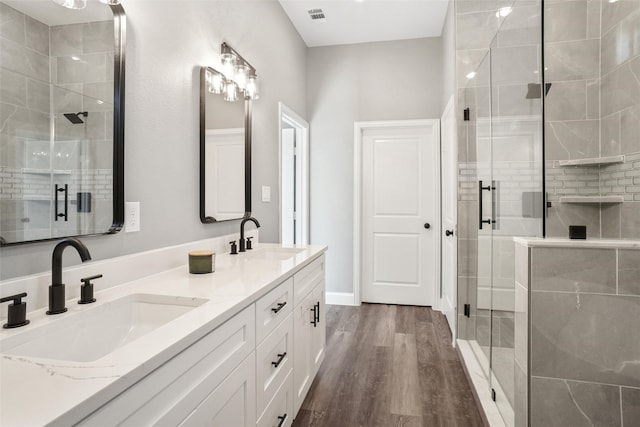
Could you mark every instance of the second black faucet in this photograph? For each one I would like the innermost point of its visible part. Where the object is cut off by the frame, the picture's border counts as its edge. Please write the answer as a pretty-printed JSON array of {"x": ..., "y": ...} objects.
[{"x": 242, "y": 239}]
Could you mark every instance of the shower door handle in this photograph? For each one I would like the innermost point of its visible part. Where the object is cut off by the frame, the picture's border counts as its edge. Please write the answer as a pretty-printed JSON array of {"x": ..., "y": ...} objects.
[
  {"x": 64, "y": 190},
  {"x": 482, "y": 188}
]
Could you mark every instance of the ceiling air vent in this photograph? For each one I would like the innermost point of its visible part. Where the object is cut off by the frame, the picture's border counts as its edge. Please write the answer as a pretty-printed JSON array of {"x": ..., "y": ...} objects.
[{"x": 317, "y": 15}]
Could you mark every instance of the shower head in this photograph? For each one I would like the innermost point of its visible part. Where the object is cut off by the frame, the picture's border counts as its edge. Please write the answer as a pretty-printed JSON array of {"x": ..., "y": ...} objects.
[
  {"x": 534, "y": 90},
  {"x": 75, "y": 117}
]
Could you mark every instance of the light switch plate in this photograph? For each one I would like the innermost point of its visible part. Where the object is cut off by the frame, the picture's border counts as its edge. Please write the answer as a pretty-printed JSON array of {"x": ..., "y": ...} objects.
[
  {"x": 131, "y": 217},
  {"x": 266, "y": 193}
]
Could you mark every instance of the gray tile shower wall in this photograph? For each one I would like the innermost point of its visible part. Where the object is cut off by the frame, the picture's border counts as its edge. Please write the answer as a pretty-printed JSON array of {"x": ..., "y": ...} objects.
[
  {"x": 592, "y": 59},
  {"x": 584, "y": 346}
]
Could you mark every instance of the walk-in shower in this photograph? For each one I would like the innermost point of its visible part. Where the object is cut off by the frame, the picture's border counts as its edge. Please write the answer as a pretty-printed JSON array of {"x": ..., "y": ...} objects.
[{"x": 548, "y": 319}]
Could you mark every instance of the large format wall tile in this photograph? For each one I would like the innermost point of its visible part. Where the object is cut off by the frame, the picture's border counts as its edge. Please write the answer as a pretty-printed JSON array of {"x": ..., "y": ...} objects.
[
  {"x": 561, "y": 215},
  {"x": 565, "y": 140},
  {"x": 562, "y": 403},
  {"x": 37, "y": 36},
  {"x": 614, "y": 12},
  {"x": 11, "y": 24},
  {"x": 630, "y": 220},
  {"x": 565, "y": 20},
  {"x": 630, "y": 130},
  {"x": 476, "y": 30},
  {"x": 629, "y": 272},
  {"x": 631, "y": 406},
  {"x": 18, "y": 58},
  {"x": 573, "y": 60},
  {"x": 66, "y": 40},
  {"x": 620, "y": 43},
  {"x": 585, "y": 337},
  {"x": 13, "y": 88},
  {"x": 621, "y": 87},
  {"x": 97, "y": 37},
  {"x": 567, "y": 100},
  {"x": 575, "y": 270}
]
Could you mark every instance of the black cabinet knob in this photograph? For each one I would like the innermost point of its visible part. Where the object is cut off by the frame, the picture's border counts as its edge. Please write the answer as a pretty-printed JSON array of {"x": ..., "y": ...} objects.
[
  {"x": 427, "y": 225},
  {"x": 449, "y": 232}
]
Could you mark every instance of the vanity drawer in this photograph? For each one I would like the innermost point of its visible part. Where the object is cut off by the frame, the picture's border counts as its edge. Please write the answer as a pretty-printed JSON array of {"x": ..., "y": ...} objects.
[
  {"x": 272, "y": 308},
  {"x": 169, "y": 393},
  {"x": 307, "y": 279},
  {"x": 274, "y": 361},
  {"x": 279, "y": 412}
]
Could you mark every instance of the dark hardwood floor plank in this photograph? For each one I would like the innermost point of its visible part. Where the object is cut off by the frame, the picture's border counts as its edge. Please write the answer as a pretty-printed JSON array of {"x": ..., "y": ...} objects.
[
  {"x": 330, "y": 372},
  {"x": 406, "y": 319},
  {"x": 389, "y": 366},
  {"x": 405, "y": 398},
  {"x": 385, "y": 325}
]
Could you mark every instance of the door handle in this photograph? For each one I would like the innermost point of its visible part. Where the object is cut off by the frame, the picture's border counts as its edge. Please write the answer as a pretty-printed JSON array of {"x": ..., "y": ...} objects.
[
  {"x": 427, "y": 225},
  {"x": 314, "y": 322},
  {"x": 482, "y": 188},
  {"x": 449, "y": 232},
  {"x": 64, "y": 190}
]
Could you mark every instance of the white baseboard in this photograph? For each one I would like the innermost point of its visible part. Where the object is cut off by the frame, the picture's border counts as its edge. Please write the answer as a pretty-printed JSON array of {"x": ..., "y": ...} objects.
[{"x": 340, "y": 298}]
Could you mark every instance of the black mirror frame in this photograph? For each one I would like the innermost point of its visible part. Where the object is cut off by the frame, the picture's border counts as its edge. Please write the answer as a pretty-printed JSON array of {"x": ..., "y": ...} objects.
[
  {"x": 120, "y": 32},
  {"x": 247, "y": 153}
]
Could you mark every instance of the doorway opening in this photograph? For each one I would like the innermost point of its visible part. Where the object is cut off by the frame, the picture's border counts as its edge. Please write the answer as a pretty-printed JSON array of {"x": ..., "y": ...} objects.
[{"x": 294, "y": 177}]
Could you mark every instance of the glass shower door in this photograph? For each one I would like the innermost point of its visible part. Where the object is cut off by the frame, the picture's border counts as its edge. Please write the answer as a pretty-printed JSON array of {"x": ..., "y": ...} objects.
[
  {"x": 515, "y": 192},
  {"x": 478, "y": 101}
]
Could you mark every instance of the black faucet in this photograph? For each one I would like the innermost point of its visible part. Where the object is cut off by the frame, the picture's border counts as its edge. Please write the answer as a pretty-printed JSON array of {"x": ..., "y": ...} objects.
[
  {"x": 56, "y": 290},
  {"x": 242, "y": 241}
]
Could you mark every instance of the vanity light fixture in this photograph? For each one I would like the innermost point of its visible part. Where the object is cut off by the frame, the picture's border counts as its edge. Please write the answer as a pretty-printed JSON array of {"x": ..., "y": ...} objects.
[
  {"x": 237, "y": 76},
  {"x": 72, "y": 4}
]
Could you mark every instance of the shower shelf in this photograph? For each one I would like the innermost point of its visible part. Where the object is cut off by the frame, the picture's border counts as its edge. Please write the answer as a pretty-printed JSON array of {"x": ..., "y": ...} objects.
[
  {"x": 46, "y": 171},
  {"x": 592, "y": 161},
  {"x": 592, "y": 199}
]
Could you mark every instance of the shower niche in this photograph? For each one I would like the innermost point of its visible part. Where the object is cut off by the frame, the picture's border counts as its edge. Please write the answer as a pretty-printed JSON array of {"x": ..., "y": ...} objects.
[{"x": 62, "y": 133}]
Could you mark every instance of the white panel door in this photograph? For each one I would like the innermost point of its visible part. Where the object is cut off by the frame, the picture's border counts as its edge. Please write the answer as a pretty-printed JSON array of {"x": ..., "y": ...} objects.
[
  {"x": 449, "y": 156},
  {"x": 400, "y": 210}
]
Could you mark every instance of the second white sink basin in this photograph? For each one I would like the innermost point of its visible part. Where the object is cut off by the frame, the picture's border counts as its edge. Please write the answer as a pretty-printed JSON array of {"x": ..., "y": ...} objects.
[{"x": 91, "y": 334}]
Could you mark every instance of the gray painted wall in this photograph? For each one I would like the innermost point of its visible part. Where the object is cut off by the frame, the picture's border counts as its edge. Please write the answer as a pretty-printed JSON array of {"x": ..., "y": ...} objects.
[
  {"x": 369, "y": 81},
  {"x": 448, "y": 55},
  {"x": 165, "y": 48}
]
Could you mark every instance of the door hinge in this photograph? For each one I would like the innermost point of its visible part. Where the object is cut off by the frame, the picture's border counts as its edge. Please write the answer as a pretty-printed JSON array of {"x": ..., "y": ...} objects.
[
  {"x": 467, "y": 114},
  {"x": 493, "y": 394},
  {"x": 467, "y": 310}
]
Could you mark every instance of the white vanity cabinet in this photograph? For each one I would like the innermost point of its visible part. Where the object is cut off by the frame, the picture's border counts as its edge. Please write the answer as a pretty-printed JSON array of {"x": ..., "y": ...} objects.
[
  {"x": 255, "y": 369},
  {"x": 177, "y": 388},
  {"x": 309, "y": 330}
]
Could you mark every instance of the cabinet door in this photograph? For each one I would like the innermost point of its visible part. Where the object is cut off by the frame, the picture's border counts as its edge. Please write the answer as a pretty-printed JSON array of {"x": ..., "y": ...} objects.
[
  {"x": 318, "y": 331},
  {"x": 232, "y": 404},
  {"x": 302, "y": 368}
]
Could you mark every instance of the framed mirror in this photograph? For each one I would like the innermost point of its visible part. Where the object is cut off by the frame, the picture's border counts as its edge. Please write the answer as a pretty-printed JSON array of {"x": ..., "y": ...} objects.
[
  {"x": 62, "y": 120},
  {"x": 225, "y": 154}
]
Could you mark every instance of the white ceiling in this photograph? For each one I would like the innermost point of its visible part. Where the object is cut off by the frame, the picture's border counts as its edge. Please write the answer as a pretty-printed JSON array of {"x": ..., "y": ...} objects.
[
  {"x": 50, "y": 13},
  {"x": 352, "y": 21}
]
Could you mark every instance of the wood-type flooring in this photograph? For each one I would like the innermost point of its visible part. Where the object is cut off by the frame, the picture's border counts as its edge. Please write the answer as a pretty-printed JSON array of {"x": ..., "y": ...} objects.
[{"x": 388, "y": 366}]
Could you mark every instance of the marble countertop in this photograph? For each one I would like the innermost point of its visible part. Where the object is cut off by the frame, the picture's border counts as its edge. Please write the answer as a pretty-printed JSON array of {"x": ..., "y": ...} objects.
[
  {"x": 552, "y": 242},
  {"x": 38, "y": 391}
]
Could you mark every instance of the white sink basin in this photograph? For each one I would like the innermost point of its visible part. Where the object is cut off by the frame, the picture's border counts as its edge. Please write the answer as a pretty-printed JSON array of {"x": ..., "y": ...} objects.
[
  {"x": 91, "y": 334},
  {"x": 272, "y": 253}
]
